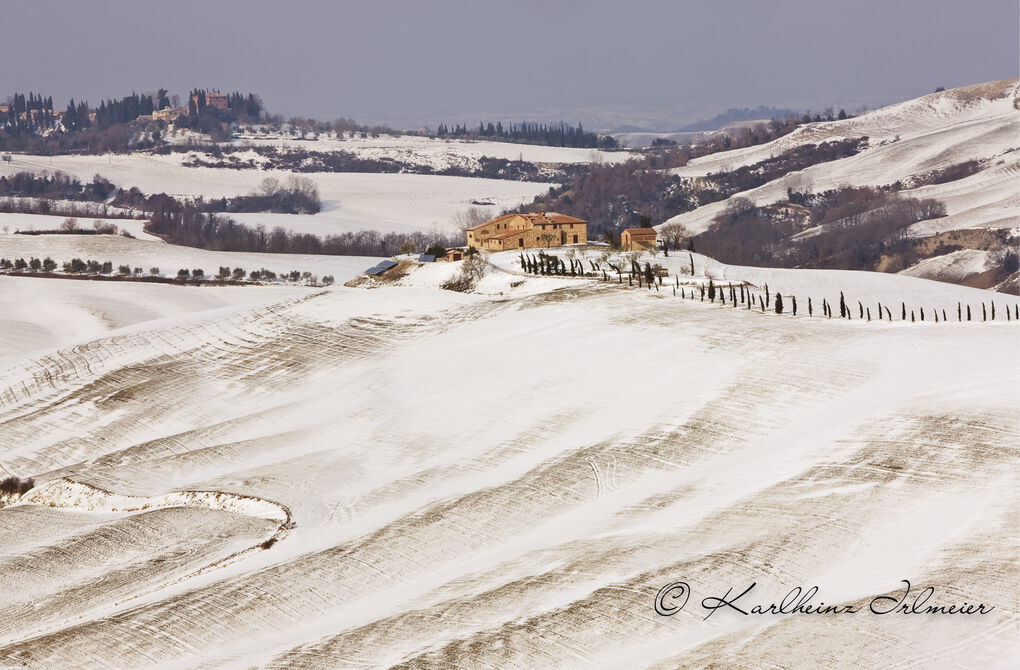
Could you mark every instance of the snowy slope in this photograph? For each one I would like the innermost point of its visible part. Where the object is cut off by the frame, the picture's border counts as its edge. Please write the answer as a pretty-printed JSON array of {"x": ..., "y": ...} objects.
[
  {"x": 978, "y": 122},
  {"x": 506, "y": 479}
]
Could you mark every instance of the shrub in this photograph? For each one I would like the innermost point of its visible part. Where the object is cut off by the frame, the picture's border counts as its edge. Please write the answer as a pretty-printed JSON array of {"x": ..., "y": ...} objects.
[{"x": 12, "y": 486}]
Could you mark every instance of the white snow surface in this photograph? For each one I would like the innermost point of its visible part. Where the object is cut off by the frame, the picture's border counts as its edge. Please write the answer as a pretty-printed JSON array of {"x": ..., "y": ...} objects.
[{"x": 419, "y": 478}]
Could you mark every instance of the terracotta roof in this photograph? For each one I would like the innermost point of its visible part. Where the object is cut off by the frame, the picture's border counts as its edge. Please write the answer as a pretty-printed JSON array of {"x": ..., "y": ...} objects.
[
  {"x": 509, "y": 233},
  {"x": 551, "y": 217},
  {"x": 496, "y": 220},
  {"x": 534, "y": 218},
  {"x": 640, "y": 231}
]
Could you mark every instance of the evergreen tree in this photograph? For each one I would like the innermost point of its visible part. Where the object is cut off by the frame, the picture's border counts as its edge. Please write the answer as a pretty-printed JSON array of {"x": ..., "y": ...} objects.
[{"x": 779, "y": 303}]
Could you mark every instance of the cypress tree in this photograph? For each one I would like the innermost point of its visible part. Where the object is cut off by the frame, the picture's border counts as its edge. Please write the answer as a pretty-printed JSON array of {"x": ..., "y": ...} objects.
[
  {"x": 959, "y": 312},
  {"x": 911, "y": 316},
  {"x": 766, "y": 295},
  {"x": 869, "y": 315},
  {"x": 711, "y": 290},
  {"x": 984, "y": 312},
  {"x": 793, "y": 304},
  {"x": 936, "y": 316},
  {"x": 810, "y": 309},
  {"x": 993, "y": 310},
  {"x": 692, "y": 258},
  {"x": 762, "y": 302},
  {"x": 903, "y": 314},
  {"x": 779, "y": 303},
  {"x": 702, "y": 293},
  {"x": 842, "y": 306},
  {"x": 888, "y": 313},
  {"x": 968, "y": 312},
  {"x": 860, "y": 307},
  {"x": 922, "y": 313},
  {"x": 944, "y": 315}
]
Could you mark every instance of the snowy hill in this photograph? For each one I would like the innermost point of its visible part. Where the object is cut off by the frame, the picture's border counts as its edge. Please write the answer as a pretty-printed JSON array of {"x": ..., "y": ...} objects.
[
  {"x": 412, "y": 477},
  {"x": 905, "y": 142}
]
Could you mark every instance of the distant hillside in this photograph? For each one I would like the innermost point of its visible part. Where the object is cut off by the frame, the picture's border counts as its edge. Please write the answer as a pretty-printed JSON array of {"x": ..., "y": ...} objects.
[
  {"x": 736, "y": 115},
  {"x": 957, "y": 148}
]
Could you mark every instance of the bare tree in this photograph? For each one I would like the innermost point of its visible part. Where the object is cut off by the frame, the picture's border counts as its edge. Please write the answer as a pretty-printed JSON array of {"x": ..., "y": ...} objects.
[
  {"x": 469, "y": 218},
  {"x": 674, "y": 235},
  {"x": 69, "y": 224}
]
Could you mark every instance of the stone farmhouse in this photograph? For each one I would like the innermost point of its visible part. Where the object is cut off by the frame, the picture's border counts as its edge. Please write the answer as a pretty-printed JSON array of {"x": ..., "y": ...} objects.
[
  {"x": 638, "y": 239},
  {"x": 526, "y": 230}
]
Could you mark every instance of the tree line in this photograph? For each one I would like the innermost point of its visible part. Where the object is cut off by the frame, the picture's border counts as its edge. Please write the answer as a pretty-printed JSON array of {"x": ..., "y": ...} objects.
[
  {"x": 553, "y": 135},
  {"x": 78, "y": 266},
  {"x": 56, "y": 186}
]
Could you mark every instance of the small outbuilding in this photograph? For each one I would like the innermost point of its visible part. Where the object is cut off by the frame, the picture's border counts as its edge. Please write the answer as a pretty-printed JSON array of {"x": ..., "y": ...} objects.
[{"x": 638, "y": 239}]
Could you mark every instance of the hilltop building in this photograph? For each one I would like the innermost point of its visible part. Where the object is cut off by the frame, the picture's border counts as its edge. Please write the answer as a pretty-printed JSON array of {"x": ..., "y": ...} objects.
[
  {"x": 169, "y": 114},
  {"x": 638, "y": 239},
  {"x": 526, "y": 230},
  {"x": 212, "y": 99}
]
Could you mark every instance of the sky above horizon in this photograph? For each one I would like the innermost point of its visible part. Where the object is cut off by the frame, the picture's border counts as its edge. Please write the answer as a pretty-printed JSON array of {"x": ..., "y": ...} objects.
[{"x": 645, "y": 63}]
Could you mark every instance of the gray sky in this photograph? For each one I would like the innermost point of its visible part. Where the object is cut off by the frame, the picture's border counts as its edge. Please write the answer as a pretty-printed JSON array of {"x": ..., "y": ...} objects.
[{"x": 644, "y": 62}]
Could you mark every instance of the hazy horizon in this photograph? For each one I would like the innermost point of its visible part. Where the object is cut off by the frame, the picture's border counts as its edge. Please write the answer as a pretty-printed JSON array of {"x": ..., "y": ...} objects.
[{"x": 648, "y": 64}]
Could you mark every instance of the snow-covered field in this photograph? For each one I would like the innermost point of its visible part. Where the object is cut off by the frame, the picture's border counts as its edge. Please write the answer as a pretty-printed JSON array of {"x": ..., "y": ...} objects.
[
  {"x": 351, "y": 201},
  {"x": 980, "y": 122},
  {"x": 170, "y": 258},
  {"x": 10, "y": 223},
  {"x": 437, "y": 153},
  {"x": 417, "y": 478}
]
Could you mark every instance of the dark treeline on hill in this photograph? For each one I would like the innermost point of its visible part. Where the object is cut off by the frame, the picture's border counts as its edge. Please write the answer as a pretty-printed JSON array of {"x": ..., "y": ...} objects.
[
  {"x": 56, "y": 187},
  {"x": 185, "y": 224},
  {"x": 553, "y": 135}
]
